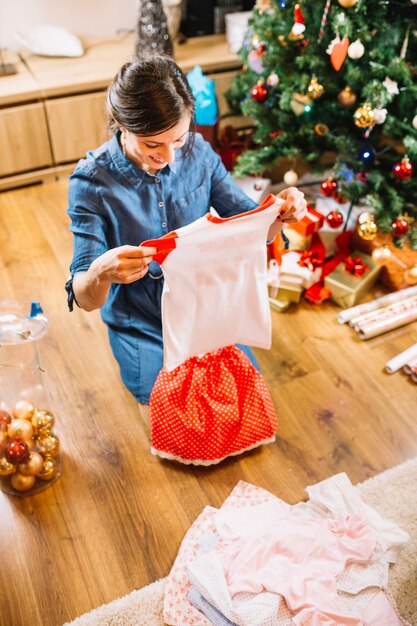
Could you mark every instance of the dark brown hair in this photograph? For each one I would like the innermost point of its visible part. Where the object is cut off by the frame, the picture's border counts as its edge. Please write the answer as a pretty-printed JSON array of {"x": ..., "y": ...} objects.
[{"x": 148, "y": 96}]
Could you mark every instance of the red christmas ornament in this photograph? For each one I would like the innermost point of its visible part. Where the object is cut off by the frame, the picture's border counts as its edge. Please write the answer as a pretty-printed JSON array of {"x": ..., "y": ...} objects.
[
  {"x": 298, "y": 14},
  {"x": 17, "y": 451},
  {"x": 339, "y": 198},
  {"x": 403, "y": 170},
  {"x": 5, "y": 419},
  {"x": 334, "y": 219},
  {"x": 400, "y": 226},
  {"x": 328, "y": 187},
  {"x": 259, "y": 93}
]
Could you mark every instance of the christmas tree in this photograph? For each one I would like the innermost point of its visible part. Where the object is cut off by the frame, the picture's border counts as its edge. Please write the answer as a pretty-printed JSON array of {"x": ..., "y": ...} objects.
[
  {"x": 152, "y": 34},
  {"x": 336, "y": 80}
]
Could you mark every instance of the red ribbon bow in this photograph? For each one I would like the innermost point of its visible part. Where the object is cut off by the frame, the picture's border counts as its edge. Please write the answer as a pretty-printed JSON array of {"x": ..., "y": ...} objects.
[
  {"x": 355, "y": 265},
  {"x": 310, "y": 259}
]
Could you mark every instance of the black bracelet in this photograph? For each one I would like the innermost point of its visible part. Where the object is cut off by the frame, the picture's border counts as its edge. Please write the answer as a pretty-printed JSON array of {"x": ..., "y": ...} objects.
[{"x": 70, "y": 294}]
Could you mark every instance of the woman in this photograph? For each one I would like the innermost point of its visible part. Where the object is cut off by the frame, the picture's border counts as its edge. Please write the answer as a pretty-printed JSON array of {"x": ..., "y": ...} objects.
[{"x": 154, "y": 176}]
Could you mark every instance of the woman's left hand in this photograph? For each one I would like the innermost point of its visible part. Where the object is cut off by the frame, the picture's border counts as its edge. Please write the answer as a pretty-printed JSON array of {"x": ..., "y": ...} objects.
[{"x": 294, "y": 207}]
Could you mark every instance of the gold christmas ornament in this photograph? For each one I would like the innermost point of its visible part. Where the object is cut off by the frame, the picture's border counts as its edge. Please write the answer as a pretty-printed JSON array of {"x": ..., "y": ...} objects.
[
  {"x": 6, "y": 468},
  {"x": 347, "y": 97},
  {"x": 20, "y": 429},
  {"x": 299, "y": 102},
  {"x": 414, "y": 122},
  {"x": 315, "y": 89},
  {"x": 347, "y": 4},
  {"x": 49, "y": 469},
  {"x": 290, "y": 177},
  {"x": 364, "y": 116},
  {"x": 3, "y": 441},
  {"x": 366, "y": 217},
  {"x": 20, "y": 482},
  {"x": 321, "y": 129},
  {"x": 42, "y": 420},
  {"x": 410, "y": 275},
  {"x": 33, "y": 465},
  {"x": 381, "y": 255},
  {"x": 367, "y": 230},
  {"x": 48, "y": 444},
  {"x": 23, "y": 409}
]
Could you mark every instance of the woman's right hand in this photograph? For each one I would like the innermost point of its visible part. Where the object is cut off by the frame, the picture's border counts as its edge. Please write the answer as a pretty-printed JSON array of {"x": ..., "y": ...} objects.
[{"x": 124, "y": 264}]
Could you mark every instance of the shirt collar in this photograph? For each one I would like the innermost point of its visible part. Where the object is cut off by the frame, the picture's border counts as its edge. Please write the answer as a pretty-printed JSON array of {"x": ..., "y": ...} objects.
[{"x": 134, "y": 173}]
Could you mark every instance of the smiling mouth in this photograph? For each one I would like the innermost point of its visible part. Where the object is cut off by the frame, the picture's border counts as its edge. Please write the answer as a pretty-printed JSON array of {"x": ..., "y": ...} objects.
[{"x": 157, "y": 160}]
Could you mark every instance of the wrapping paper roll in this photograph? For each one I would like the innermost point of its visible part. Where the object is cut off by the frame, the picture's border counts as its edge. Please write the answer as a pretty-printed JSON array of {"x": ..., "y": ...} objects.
[
  {"x": 372, "y": 305},
  {"x": 378, "y": 327},
  {"x": 402, "y": 360},
  {"x": 411, "y": 366},
  {"x": 384, "y": 313}
]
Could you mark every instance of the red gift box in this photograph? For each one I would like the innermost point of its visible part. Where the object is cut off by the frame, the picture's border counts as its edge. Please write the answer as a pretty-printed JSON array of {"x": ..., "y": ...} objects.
[{"x": 310, "y": 224}]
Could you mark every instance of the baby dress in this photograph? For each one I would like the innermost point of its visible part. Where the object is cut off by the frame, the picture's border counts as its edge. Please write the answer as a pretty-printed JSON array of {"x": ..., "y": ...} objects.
[{"x": 208, "y": 401}]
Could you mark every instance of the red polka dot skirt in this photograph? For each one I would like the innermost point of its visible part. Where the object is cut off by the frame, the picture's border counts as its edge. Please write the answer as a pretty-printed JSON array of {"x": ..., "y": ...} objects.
[{"x": 209, "y": 408}]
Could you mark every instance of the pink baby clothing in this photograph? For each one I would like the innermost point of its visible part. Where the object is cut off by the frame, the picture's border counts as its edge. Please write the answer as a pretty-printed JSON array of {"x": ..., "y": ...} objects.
[
  {"x": 299, "y": 559},
  {"x": 215, "y": 283}
]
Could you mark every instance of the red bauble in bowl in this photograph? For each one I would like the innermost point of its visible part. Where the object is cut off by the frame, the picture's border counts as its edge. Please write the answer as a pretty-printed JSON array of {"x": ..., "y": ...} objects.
[
  {"x": 400, "y": 226},
  {"x": 17, "y": 451}
]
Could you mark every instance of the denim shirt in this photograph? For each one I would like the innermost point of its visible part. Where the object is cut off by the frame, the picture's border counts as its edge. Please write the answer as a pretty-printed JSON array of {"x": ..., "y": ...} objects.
[{"x": 113, "y": 202}]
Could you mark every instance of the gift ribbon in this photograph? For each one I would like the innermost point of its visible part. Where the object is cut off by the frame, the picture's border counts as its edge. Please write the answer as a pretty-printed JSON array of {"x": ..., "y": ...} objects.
[
  {"x": 356, "y": 266},
  {"x": 317, "y": 293}
]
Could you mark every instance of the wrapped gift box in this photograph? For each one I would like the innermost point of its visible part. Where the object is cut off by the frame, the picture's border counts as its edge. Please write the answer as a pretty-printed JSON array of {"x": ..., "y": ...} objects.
[
  {"x": 255, "y": 187},
  {"x": 279, "y": 305},
  {"x": 310, "y": 224},
  {"x": 348, "y": 289},
  {"x": 392, "y": 272},
  {"x": 296, "y": 240},
  {"x": 326, "y": 205},
  {"x": 291, "y": 268}
]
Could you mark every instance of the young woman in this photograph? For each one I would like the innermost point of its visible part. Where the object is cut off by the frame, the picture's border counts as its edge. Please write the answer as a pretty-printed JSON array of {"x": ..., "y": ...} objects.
[{"x": 155, "y": 175}]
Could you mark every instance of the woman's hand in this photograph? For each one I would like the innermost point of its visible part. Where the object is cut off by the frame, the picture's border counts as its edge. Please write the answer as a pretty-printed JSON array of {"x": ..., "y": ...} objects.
[
  {"x": 294, "y": 207},
  {"x": 124, "y": 264}
]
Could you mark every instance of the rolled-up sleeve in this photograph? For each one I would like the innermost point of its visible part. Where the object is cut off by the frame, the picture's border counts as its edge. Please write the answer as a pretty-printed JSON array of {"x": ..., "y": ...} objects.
[{"x": 87, "y": 221}]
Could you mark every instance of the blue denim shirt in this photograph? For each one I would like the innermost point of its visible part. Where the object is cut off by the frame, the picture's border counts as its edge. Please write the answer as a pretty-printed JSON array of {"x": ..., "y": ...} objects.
[{"x": 113, "y": 202}]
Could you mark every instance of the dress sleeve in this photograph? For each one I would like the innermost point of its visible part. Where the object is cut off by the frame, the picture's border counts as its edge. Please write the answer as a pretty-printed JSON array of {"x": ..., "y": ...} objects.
[
  {"x": 88, "y": 224},
  {"x": 226, "y": 196}
]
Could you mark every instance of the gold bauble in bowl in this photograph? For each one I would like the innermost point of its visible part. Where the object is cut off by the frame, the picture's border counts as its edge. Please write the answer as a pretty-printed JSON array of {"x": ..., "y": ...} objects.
[
  {"x": 410, "y": 275},
  {"x": 6, "y": 468},
  {"x": 33, "y": 465},
  {"x": 23, "y": 409},
  {"x": 20, "y": 429},
  {"x": 20, "y": 482},
  {"x": 48, "y": 444},
  {"x": 42, "y": 420},
  {"x": 367, "y": 230},
  {"x": 49, "y": 469},
  {"x": 364, "y": 116}
]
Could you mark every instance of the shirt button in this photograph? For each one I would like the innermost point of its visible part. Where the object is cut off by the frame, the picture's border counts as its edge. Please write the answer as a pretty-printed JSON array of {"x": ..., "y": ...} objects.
[
  {"x": 161, "y": 204},
  {"x": 157, "y": 180},
  {"x": 164, "y": 224}
]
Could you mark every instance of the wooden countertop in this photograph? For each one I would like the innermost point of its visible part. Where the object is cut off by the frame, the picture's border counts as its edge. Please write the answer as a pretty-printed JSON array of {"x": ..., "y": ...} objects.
[
  {"x": 20, "y": 87},
  {"x": 57, "y": 76}
]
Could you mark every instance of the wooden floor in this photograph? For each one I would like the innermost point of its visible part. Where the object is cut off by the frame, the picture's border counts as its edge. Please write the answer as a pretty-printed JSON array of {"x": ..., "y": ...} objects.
[{"x": 114, "y": 520}]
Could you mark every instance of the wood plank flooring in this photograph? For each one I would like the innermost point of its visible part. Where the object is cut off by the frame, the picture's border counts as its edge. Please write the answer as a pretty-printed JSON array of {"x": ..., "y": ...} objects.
[{"x": 114, "y": 520}]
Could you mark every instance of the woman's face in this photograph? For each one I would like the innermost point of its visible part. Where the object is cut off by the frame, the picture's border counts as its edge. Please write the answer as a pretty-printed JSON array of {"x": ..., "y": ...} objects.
[{"x": 153, "y": 152}]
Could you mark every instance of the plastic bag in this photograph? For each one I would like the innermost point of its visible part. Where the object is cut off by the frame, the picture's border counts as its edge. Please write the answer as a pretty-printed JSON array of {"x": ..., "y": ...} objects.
[{"x": 203, "y": 89}]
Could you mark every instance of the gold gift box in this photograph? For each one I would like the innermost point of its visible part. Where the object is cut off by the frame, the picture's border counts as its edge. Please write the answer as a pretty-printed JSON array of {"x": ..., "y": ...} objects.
[
  {"x": 289, "y": 290},
  {"x": 348, "y": 289}
]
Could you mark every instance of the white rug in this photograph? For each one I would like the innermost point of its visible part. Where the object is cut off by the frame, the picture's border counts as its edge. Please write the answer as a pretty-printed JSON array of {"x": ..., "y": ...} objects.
[{"x": 393, "y": 493}]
